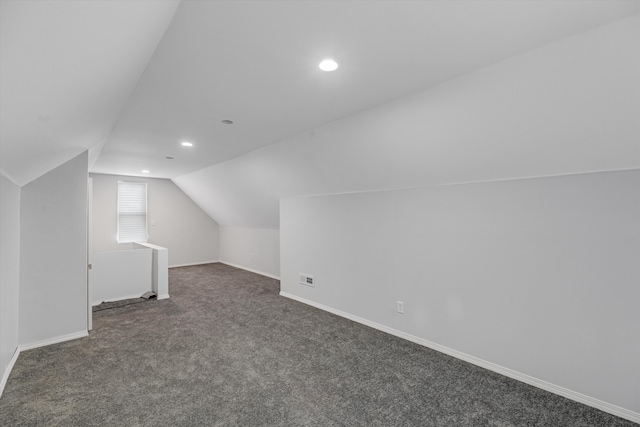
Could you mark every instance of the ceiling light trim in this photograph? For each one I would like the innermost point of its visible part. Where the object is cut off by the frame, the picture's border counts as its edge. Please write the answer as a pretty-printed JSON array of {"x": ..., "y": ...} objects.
[{"x": 328, "y": 64}]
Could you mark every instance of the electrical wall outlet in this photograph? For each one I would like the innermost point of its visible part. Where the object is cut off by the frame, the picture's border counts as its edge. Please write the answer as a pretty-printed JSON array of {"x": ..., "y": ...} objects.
[
  {"x": 400, "y": 306},
  {"x": 307, "y": 280}
]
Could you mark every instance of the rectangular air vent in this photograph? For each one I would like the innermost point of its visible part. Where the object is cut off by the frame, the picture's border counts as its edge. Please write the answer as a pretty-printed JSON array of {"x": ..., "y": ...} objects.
[{"x": 306, "y": 280}]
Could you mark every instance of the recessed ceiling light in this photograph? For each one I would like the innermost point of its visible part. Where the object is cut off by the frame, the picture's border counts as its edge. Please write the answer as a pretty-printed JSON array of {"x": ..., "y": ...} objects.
[
  {"x": 145, "y": 171},
  {"x": 328, "y": 65},
  {"x": 187, "y": 144},
  {"x": 227, "y": 122}
]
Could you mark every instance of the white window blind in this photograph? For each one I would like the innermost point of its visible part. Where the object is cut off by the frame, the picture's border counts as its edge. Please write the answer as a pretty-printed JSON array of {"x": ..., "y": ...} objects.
[{"x": 132, "y": 212}]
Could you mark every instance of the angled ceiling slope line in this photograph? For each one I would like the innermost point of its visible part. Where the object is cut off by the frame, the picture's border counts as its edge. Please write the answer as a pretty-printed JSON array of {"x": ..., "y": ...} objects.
[
  {"x": 256, "y": 63},
  {"x": 67, "y": 68},
  {"x": 568, "y": 107}
]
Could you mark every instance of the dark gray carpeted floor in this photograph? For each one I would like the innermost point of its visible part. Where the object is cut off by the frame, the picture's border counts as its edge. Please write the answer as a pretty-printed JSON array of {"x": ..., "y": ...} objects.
[
  {"x": 108, "y": 305},
  {"x": 226, "y": 350}
]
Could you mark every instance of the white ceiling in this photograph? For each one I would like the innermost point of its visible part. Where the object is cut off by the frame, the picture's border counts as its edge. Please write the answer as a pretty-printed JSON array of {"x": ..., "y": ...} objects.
[
  {"x": 72, "y": 77},
  {"x": 256, "y": 63},
  {"x": 569, "y": 107},
  {"x": 66, "y": 70}
]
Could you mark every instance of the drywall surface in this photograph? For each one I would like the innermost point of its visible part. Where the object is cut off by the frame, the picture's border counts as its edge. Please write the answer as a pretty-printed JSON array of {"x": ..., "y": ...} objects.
[
  {"x": 539, "y": 276},
  {"x": 53, "y": 253},
  {"x": 67, "y": 70},
  {"x": 9, "y": 272},
  {"x": 159, "y": 269},
  {"x": 568, "y": 107},
  {"x": 191, "y": 236},
  {"x": 120, "y": 275},
  {"x": 253, "y": 249}
]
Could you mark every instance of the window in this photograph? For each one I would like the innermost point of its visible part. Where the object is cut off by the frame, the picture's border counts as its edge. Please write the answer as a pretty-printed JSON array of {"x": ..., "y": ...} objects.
[{"x": 132, "y": 212}]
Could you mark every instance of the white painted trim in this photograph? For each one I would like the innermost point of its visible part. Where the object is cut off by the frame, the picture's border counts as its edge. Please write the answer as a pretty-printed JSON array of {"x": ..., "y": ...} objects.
[
  {"x": 544, "y": 385},
  {"x": 25, "y": 347},
  {"x": 63, "y": 338},
  {"x": 262, "y": 273},
  {"x": 194, "y": 263},
  {"x": 7, "y": 371},
  {"x": 147, "y": 245},
  {"x": 448, "y": 184},
  {"x": 163, "y": 296}
]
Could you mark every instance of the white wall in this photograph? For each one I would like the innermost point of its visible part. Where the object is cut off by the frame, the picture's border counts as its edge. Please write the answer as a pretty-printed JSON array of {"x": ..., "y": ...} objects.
[
  {"x": 9, "y": 273},
  {"x": 191, "y": 236},
  {"x": 120, "y": 275},
  {"x": 53, "y": 254},
  {"x": 539, "y": 276},
  {"x": 159, "y": 268},
  {"x": 253, "y": 249},
  {"x": 568, "y": 107}
]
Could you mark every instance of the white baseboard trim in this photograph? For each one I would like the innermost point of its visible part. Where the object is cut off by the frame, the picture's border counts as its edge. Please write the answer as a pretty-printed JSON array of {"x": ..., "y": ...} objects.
[
  {"x": 163, "y": 296},
  {"x": 194, "y": 263},
  {"x": 262, "y": 273},
  {"x": 55, "y": 340},
  {"x": 7, "y": 371},
  {"x": 544, "y": 385},
  {"x": 25, "y": 347}
]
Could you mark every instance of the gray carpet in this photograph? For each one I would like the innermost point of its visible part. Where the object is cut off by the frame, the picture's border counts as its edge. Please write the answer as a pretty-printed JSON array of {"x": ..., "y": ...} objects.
[
  {"x": 226, "y": 350},
  {"x": 108, "y": 305}
]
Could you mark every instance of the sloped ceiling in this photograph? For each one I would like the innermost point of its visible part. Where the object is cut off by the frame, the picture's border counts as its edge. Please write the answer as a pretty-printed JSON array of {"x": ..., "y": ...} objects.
[
  {"x": 571, "y": 106},
  {"x": 66, "y": 70},
  {"x": 130, "y": 80},
  {"x": 256, "y": 63}
]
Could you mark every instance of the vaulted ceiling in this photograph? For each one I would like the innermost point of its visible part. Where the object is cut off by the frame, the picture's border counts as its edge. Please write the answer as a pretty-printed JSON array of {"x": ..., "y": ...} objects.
[
  {"x": 256, "y": 63},
  {"x": 67, "y": 69},
  {"x": 131, "y": 80}
]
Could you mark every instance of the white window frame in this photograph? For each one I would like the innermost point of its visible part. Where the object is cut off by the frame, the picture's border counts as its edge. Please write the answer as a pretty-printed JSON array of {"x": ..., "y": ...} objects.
[{"x": 132, "y": 213}]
